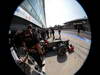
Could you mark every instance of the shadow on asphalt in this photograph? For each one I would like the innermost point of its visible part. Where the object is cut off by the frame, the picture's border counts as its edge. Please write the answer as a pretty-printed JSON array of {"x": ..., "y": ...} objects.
[
  {"x": 51, "y": 53},
  {"x": 62, "y": 59}
]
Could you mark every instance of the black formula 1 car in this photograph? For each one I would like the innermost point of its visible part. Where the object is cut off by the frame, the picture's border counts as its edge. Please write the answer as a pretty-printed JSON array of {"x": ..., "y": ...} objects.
[{"x": 60, "y": 47}]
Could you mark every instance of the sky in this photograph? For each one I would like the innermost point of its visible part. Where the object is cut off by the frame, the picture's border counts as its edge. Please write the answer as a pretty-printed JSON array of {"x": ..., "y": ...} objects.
[{"x": 61, "y": 11}]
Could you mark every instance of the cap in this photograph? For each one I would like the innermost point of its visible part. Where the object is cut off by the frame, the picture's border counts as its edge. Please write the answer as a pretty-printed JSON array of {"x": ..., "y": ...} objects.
[{"x": 29, "y": 26}]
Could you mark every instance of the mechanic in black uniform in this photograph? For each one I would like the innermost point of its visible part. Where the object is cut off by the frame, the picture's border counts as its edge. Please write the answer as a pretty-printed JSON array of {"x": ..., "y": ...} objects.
[
  {"x": 47, "y": 33},
  {"x": 59, "y": 32},
  {"x": 53, "y": 32},
  {"x": 43, "y": 34}
]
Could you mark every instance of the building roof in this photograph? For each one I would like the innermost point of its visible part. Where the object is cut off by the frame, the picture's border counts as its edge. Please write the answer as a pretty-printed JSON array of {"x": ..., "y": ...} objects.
[{"x": 76, "y": 20}]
